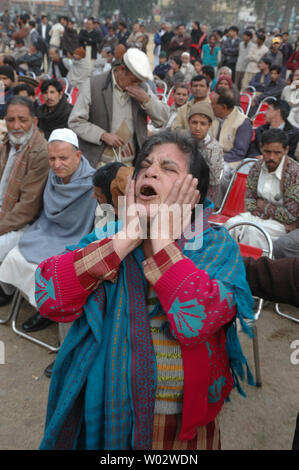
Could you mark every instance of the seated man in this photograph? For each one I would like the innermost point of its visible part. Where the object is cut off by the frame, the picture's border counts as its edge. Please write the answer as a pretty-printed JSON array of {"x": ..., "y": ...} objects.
[
  {"x": 209, "y": 72},
  {"x": 180, "y": 98},
  {"x": 272, "y": 192},
  {"x": 291, "y": 94},
  {"x": 104, "y": 61},
  {"x": 68, "y": 214},
  {"x": 274, "y": 88},
  {"x": 200, "y": 93},
  {"x": 23, "y": 172},
  {"x": 143, "y": 288},
  {"x": 163, "y": 67},
  {"x": 287, "y": 245},
  {"x": 33, "y": 59},
  {"x": 232, "y": 129},
  {"x": 276, "y": 118},
  {"x": 187, "y": 68},
  {"x": 19, "y": 49},
  {"x": 200, "y": 117},
  {"x": 80, "y": 70},
  {"x": 111, "y": 111},
  {"x": 225, "y": 71},
  {"x": 224, "y": 81},
  {"x": 262, "y": 79},
  {"x": 58, "y": 66},
  {"x": 7, "y": 79},
  {"x": 55, "y": 111},
  {"x": 23, "y": 89},
  {"x": 174, "y": 74}
]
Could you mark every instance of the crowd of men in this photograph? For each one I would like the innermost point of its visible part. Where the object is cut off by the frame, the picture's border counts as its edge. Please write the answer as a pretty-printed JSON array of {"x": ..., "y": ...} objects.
[{"x": 80, "y": 105}]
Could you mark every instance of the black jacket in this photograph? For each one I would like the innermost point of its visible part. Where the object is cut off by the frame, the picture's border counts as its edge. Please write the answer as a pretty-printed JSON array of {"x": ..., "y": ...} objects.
[
  {"x": 91, "y": 38},
  {"x": 56, "y": 119},
  {"x": 47, "y": 37}
]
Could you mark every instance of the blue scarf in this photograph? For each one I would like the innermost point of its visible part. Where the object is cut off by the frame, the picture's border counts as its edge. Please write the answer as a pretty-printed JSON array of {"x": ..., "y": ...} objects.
[{"x": 102, "y": 392}]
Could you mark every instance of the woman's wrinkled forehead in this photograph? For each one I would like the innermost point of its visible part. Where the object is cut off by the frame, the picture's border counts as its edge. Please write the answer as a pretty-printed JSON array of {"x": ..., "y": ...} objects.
[{"x": 164, "y": 153}]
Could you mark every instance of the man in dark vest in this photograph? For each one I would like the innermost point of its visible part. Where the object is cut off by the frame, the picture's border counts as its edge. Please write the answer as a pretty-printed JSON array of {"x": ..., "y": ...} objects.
[
  {"x": 111, "y": 111},
  {"x": 59, "y": 66}
]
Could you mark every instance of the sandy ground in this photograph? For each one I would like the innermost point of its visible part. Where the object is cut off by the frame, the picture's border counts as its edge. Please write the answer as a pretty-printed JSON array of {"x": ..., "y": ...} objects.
[{"x": 265, "y": 420}]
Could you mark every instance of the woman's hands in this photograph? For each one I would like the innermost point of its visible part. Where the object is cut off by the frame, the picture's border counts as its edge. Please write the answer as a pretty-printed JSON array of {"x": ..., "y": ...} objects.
[
  {"x": 168, "y": 219},
  {"x": 131, "y": 235},
  {"x": 174, "y": 214}
]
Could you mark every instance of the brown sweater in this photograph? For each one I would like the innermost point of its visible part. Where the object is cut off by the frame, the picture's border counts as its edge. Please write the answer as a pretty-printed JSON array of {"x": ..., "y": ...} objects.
[
  {"x": 23, "y": 198},
  {"x": 274, "y": 280}
]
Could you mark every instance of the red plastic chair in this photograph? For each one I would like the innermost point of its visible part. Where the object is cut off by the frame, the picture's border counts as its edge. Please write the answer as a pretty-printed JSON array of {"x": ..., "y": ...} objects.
[
  {"x": 74, "y": 95},
  {"x": 234, "y": 200},
  {"x": 170, "y": 99},
  {"x": 259, "y": 119},
  {"x": 161, "y": 88},
  {"x": 245, "y": 102}
]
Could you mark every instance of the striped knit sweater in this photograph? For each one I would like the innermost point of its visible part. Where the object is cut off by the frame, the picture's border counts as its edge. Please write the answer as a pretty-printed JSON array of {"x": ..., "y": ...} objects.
[{"x": 170, "y": 372}]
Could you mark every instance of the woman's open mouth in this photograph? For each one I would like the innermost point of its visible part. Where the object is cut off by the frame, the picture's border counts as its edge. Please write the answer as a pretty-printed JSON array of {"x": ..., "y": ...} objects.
[{"x": 147, "y": 192}]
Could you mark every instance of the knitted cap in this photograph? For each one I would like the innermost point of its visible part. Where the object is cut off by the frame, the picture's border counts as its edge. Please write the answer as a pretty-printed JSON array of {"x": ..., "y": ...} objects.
[
  {"x": 7, "y": 71},
  {"x": 201, "y": 108},
  {"x": 226, "y": 78}
]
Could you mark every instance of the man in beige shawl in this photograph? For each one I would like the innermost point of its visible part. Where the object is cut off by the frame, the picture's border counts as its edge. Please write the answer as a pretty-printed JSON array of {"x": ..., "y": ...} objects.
[{"x": 81, "y": 68}]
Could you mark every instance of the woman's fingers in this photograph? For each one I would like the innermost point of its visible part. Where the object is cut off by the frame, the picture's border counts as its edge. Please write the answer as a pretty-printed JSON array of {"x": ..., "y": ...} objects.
[{"x": 183, "y": 191}]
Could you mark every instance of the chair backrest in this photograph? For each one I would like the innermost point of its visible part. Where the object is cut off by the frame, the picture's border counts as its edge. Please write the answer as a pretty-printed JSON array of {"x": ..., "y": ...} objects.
[
  {"x": 249, "y": 90},
  {"x": 74, "y": 94},
  {"x": 234, "y": 199},
  {"x": 161, "y": 89},
  {"x": 250, "y": 251},
  {"x": 245, "y": 102},
  {"x": 259, "y": 120},
  {"x": 170, "y": 99},
  {"x": 235, "y": 202}
]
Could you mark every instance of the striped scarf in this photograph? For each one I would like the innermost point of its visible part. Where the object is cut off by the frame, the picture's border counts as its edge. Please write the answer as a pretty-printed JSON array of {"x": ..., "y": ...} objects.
[{"x": 102, "y": 392}]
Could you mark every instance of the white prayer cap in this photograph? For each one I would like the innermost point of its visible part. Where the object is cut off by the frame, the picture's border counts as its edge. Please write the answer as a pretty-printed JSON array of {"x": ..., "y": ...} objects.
[
  {"x": 64, "y": 135},
  {"x": 138, "y": 63}
]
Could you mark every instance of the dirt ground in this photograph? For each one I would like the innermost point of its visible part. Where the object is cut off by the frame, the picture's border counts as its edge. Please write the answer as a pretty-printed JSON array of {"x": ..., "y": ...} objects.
[{"x": 265, "y": 420}]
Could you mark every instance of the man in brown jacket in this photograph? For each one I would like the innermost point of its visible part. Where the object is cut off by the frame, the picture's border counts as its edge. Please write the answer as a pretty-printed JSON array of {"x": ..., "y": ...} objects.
[{"x": 23, "y": 172}]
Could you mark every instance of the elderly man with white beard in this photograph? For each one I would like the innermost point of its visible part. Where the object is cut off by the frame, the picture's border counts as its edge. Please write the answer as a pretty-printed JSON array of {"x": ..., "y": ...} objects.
[{"x": 24, "y": 169}]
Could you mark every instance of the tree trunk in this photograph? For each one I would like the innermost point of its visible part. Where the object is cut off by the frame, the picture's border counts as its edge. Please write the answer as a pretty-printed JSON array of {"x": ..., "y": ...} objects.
[{"x": 287, "y": 15}]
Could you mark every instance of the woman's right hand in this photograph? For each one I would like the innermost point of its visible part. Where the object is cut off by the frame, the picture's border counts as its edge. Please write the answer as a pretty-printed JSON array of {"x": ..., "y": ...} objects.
[{"x": 131, "y": 235}]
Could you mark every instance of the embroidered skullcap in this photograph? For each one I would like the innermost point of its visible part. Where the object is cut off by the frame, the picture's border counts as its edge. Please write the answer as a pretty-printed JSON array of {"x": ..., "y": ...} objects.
[{"x": 64, "y": 135}]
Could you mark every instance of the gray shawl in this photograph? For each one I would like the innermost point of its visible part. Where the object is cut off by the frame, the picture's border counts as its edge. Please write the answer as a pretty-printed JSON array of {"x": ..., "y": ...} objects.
[
  {"x": 68, "y": 215},
  {"x": 79, "y": 72}
]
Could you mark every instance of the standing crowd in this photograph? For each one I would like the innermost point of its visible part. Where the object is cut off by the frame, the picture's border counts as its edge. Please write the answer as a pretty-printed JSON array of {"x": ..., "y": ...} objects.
[{"x": 149, "y": 345}]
